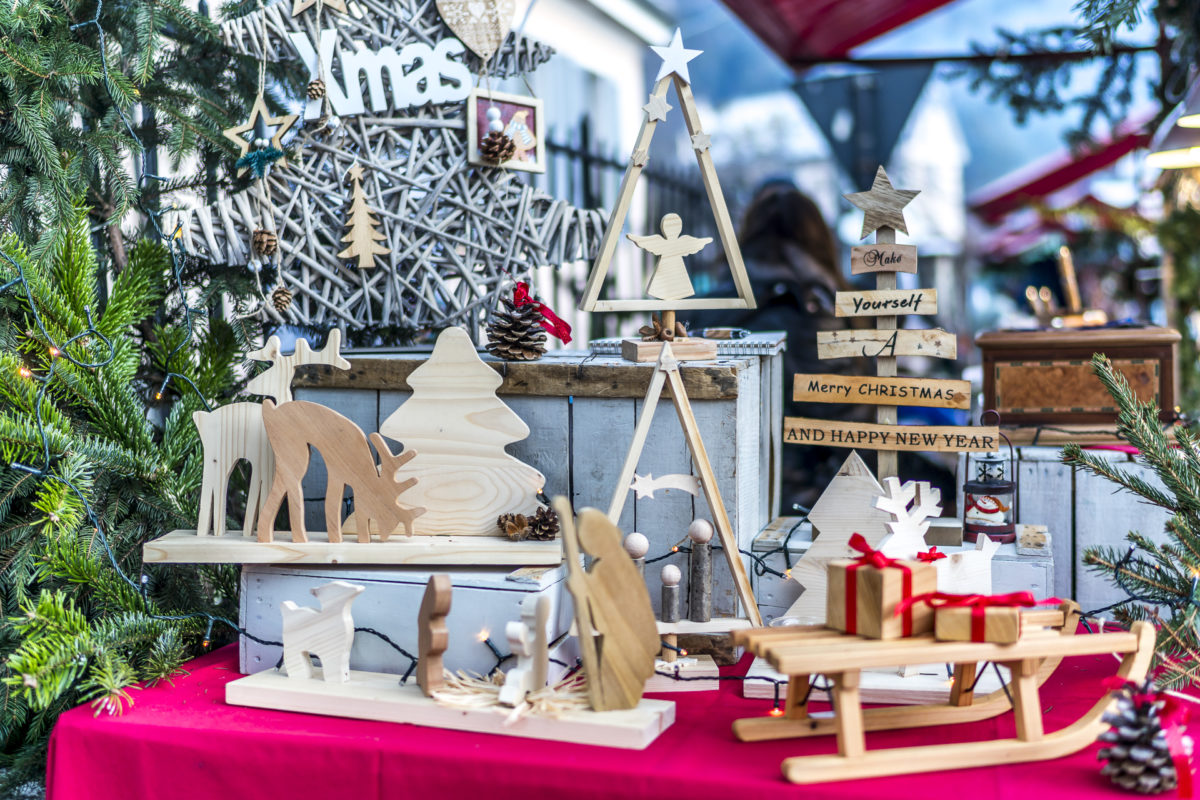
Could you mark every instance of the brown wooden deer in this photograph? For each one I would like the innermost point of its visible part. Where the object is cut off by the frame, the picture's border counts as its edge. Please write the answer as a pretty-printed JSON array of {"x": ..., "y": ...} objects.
[{"x": 292, "y": 428}]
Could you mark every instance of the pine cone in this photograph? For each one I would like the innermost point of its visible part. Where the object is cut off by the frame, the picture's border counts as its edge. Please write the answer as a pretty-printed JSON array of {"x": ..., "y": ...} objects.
[
  {"x": 497, "y": 147},
  {"x": 655, "y": 332},
  {"x": 514, "y": 526},
  {"x": 517, "y": 334},
  {"x": 264, "y": 242},
  {"x": 544, "y": 525},
  {"x": 281, "y": 298},
  {"x": 316, "y": 89},
  {"x": 1137, "y": 755}
]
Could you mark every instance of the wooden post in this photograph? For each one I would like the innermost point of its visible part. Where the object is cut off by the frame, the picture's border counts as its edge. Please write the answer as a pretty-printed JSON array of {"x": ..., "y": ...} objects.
[
  {"x": 885, "y": 366},
  {"x": 700, "y": 571},
  {"x": 670, "y": 593}
]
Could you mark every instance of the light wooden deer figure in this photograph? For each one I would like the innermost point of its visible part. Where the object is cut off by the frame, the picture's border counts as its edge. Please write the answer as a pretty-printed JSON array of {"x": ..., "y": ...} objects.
[
  {"x": 292, "y": 428},
  {"x": 235, "y": 432},
  {"x": 326, "y": 633}
]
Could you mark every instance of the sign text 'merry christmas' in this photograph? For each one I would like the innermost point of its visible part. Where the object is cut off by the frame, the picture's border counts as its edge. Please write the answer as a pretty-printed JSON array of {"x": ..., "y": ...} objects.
[
  {"x": 928, "y": 392},
  {"x": 416, "y": 74},
  {"x": 801, "y": 430}
]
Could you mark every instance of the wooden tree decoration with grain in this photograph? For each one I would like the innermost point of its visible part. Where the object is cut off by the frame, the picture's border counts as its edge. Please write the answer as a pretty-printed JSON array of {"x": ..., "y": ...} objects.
[
  {"x": 459, "y": 429},
  {"x": 667, "y": 371},
  {"x": 618, "y": 635},
  {"x": 846, "y": 507},
  {"x": 670, "y": 288},
  {"x": 883, "y": 208},
  {"x": 396, "y": 77},
  {"x": 362, "y": 226},
  {"x": 295, "y": 427}
]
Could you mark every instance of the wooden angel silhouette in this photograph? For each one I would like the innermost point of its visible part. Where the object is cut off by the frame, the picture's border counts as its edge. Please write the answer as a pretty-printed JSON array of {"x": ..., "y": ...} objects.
[{"x": 670, "y": 280}]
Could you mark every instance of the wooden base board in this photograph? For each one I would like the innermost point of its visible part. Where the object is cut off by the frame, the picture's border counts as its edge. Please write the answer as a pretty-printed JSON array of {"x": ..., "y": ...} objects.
[
  {"x": 697, "y": 674},
  {"x": 185, "y": 547},
  {"x": 379, "y": 696},
  {"x": 691, "y": 348},
  {"x": 929, "y": 686}
]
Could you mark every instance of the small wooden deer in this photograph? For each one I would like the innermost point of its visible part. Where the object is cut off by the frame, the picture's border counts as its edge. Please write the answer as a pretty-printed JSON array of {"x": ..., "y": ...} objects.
[
  {"x": 326, "y": 633},
  {"x": 276, "y": 381},
  {"x": 292, "y": 428}
]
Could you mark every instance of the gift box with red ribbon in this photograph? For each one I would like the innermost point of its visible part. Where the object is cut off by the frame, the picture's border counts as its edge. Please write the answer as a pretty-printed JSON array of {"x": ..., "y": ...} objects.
[
  {"x": 976, "y": 617},
  {"x": 864, "y": 592}
]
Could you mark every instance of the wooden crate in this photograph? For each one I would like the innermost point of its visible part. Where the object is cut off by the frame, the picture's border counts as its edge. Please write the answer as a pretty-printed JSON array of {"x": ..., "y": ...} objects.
[
  {"x": 485, "y": 598},
  {"x": 1033, "y": 377},
  {"x": 582, "y": 408}
]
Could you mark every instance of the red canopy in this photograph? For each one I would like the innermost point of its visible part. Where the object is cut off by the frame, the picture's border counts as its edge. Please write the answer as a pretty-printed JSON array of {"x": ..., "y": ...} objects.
[{"x": 802, "y": 30}]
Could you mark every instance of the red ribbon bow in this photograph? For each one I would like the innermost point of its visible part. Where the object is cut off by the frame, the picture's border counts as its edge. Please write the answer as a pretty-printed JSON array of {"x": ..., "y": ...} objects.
[
  {"x": 870, "y": 556},
  {"x": 557, "y": 327},
  {"x": 978, "y": 603},
  {"x": 1173, "y": 719},
  {"x": 931, "y": 556}
]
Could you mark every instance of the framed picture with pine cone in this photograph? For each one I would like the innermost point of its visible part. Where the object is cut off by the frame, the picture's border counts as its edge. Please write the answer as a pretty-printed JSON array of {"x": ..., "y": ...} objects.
[{"x": 506, "y": 130}]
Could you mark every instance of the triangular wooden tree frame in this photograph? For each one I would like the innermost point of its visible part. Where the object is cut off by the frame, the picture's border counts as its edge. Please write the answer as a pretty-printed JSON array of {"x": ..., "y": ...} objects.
[
  {"x": 667, "y": 370},
  {"x": 733, "y": 255}
]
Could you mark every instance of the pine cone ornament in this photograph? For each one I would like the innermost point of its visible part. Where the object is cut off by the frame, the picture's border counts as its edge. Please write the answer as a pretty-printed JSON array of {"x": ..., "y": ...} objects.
[
  {"x": 497, "y": 147},
  {"x": 544, "y": 525},
  {"x": 316, "y": 89},
  {"x": 281, "y": 298},
  {"x": 264, "y": 242},
  {"x": 655, "y": 332},
  {"x": 517, "y": 334},
  {"x": 1137, "y": 755},
  {"x": 514, "y": 526}
]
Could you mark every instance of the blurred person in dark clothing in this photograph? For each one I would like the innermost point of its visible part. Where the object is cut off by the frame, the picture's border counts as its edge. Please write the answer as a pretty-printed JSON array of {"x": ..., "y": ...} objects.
[{"x": 792, "y": 263}]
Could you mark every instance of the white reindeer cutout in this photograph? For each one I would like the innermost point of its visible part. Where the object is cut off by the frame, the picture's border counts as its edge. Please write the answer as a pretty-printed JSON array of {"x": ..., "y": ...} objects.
[
  {"x": 234, "y": 432},
  {"x": 528, "y": 641},
  {"x": 968, "y": 572},
  {"x": 326, "y": 633},
  {"x": 911, "y": 506}
]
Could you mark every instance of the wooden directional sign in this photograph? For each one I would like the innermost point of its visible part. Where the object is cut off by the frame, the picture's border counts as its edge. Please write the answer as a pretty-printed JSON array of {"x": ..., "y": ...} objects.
[
  {"x": 867, "y": 436},
  {"x": 935, "y": 343},
  {"x": 877, "y": 257},
  {"x": 886, "y": 302},
  {"x": 926, "y": 392}
]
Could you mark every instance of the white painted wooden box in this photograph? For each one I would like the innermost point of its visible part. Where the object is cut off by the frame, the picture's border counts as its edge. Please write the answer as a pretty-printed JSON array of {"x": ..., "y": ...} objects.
[
  {"x": 582, "y": 408},
  {"x": 1082, "y": 511},
  {"x": 1011, "y": 572},
  {"x": 484, "y": 599}
]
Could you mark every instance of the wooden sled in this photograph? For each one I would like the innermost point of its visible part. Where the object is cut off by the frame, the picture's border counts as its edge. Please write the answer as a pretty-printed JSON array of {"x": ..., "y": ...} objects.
[{"x": 1047, "y": 637}]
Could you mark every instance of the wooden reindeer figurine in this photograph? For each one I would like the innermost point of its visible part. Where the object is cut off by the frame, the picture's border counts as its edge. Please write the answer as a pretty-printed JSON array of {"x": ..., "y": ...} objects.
[
  {"x": 527, "y": 641},
  {"x": 292, "y": 428},
  {"x": 326, "y": 633},
  {"x": 235, "y": 432}
]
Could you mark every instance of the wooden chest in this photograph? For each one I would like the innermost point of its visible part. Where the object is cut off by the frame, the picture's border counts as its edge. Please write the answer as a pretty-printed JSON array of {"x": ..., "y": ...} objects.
[{"x": 1041, "y": 377}]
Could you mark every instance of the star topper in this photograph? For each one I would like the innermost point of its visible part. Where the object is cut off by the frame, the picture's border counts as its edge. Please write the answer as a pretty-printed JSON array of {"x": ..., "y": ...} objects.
[
  {"x": 257, "y": 126},
  {"x": 675, "y": 58},
  {"x": 883, "y": 205}
]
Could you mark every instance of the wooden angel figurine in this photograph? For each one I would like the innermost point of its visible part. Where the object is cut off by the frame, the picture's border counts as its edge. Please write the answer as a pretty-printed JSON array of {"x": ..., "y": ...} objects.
[{"x": 670, "y": 280}]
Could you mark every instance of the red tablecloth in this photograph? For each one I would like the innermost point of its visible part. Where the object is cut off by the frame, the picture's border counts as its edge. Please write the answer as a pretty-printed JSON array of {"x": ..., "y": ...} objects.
[{"x": 180, "y": 741}]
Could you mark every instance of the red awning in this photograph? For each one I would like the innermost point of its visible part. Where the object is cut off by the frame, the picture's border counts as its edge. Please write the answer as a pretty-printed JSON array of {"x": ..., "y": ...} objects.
[
  {"x": 1055, "y": 172},
  {"x": 799, "y": 30}
]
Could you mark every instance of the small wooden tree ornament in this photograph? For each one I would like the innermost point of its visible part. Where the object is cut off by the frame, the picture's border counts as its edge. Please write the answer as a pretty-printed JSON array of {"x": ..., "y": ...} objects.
[
  {"x": 459, "y": 428},
  {"x": 618, "y": 637},
  {"x": 433, "y": 637},
  {"x": 326, "y": 633},
  {"x": 296, "y": 426},
  {"x": 362, "y": 226},
  {"x": 528, "y": 641}
]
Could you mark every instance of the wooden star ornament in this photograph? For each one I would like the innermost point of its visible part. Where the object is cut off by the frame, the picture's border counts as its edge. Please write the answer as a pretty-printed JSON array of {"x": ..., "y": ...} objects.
[
  {"x": 656, "y": 108},
  {"x": 675, "y": 58},
  {"x": 883, "y": 205},
  {"x": 259, "y": 122}
]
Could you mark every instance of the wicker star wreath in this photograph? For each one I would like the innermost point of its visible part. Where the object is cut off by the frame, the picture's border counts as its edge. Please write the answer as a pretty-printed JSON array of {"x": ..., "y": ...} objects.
[{"x": 455, "y": 233}]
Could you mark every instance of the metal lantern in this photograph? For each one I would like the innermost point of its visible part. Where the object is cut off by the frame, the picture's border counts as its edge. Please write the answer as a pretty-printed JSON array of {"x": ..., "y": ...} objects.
[{"x": 989, "y": 500}]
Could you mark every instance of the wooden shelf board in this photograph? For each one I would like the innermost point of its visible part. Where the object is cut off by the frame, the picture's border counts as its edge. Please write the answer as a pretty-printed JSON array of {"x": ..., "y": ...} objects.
[
  {"x": 689, "y": 667},
  {"x": 185, "y": 547},
  {"x": 714, "y": 625},
  {"x": 379, "y": 696}
]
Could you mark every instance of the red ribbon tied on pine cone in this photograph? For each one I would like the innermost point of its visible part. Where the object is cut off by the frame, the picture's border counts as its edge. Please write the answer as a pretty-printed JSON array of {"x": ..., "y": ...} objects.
[
  {"x": 1173, "y": 719},
  {"x": 557, "y": 327},
  {"x": 931, "y": 556}
]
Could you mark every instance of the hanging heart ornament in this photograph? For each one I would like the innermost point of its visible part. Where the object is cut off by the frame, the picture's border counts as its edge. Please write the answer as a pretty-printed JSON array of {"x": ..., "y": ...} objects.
[{"x": 479, "y": 24}]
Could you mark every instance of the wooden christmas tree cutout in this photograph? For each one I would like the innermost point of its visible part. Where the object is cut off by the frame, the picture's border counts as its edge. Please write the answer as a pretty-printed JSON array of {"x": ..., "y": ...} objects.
[
  {"x": 672, "y": 72},
  {"x": 846, "y": 507},
  {"x": 667, "y": 371},
  {"x": 362, "y": 225}
]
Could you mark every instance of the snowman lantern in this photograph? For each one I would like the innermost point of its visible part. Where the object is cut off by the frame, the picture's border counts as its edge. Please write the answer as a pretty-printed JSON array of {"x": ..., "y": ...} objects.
[{"x": 989, "y": 500}]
